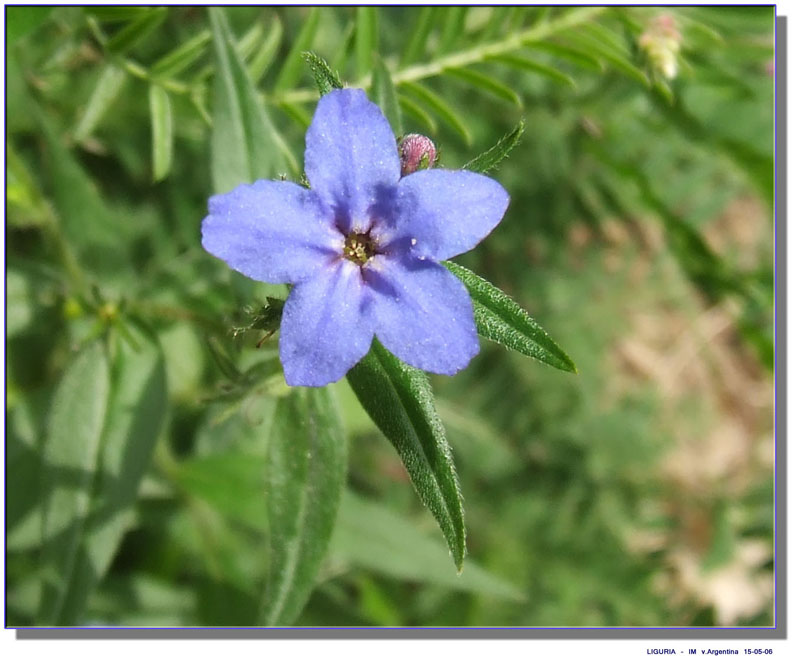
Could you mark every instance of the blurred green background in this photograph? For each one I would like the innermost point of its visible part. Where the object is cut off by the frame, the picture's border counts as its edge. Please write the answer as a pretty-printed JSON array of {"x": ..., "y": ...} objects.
[{"x": 636, "y": 493}]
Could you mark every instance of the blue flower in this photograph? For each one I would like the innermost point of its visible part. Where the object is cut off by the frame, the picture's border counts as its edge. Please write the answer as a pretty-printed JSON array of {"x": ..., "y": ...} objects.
[{"x": 361, "y": 247}]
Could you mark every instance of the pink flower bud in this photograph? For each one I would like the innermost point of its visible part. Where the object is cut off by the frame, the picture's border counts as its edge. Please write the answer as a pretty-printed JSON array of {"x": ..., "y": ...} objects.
[
  {"x": 416, "y": 152},
  {"x": 662, "y": 42}
]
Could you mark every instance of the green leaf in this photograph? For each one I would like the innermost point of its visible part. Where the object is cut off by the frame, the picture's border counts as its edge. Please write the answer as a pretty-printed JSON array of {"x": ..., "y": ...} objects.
[
  {"x": 182, "y": 57},
  {"x": 399, "y": 399},
  {"x": 232, "y": 483},
  {"x": 487, "y": 83},
  {"x": 616, "y": 58},
  {"x": 244, "y": 143},
  {"x": 422, "y": 117},
  {"x": 325, "y": 78},
  {"x": 493, "y": 27},
  {"x": 297, "y": 112},
  {"x": 306, "y": 474},
  {"x": 96, "y": 231},
  {"x": 576, "y": 56},
  {"x": 248, "y": 42},
  {"x": 116, "y": 14},
  {"x": 161, "y": 127},
  {"x": 371, "y": 536},
  {"x": 20, "y": 302},
  {"x": 266, "y": 52},
  {"x": 522, "y": 63},
  {"x": 415, "y": 45},
  {"x": 488, "y": 160},
  {"x": 106, "y": 90},
  {"x": 136, "y": 410},
  {"x": 21, "y": 21},
  {"x": 500, "y": 319},
  {"x": 27, "y": 205},
  {"x": 436, "y": 104},
  {"x": 136, "y": 31},
  {"x": 386, "y": 95},
  {"x": 70, "y": 454},
  {"x": 292, "y": 68},
  {"x": 366, "y": 39},
  {"x": 452, "y": 28}
]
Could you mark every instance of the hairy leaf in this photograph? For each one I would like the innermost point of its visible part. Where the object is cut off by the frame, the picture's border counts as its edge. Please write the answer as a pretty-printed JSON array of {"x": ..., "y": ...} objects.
[
  {"x": 244, "y": 144},
  {"x": 136, "y": 408},
  {"x": 306, "y": 474},
  {"x": 324, "y": 76},
  {"x": 70, "y": 455},
  {"x": 488, "y": 160},
  {"x": 399, "y": 399},
  {"x": 500, "y": 319}
]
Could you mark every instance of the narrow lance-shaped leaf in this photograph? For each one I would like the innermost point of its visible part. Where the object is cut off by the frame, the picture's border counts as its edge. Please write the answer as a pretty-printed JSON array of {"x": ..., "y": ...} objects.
[
  {"x": 161, "y": 130},
  {"x": 136, "y": 31},
  {"x": 181, "y": 57},
  {"x": 436, "y": 104},
  {"x": 500, "y": 319},
  {"x": 574, "y": 55},
  {"x": 298, "y": 113},
  {"x": 244, "y": 144},
  {"x": 306, "y": 474},
  {"x": 421, "y": 116},
  {"x": 487, "y": 83},
  {"x": 452, "y": 28},
  {"x": 366, "y": 39},
  {"x": 488, "y": 160},
  {"x": 415, "y": 46},
  {"x": 265, "y": 55},
  {"x": 399, "y": 399},
  {"x": 108, "y": 86},
  {"x": 247, "y": 43},
  {"x": 386, "y": 95},
  {"x": 614, "y": 57},
  {"x": 110, "y": 14},
  {"x": 370, "y": 535},
  {"x": 523, "y": 63},
  {"x": 70, "y": 454},
  {"x": 135, "y": 413},
  {"x": 325, "y": 78},
  {"x": 293, "y": 65}
]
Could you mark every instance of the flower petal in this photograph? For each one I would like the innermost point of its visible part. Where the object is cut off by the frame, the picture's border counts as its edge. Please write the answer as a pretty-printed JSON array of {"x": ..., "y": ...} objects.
[
  {"x": 272, "y": 231},
  {"x": 325, "y": 328},
  {"x": 422, "y": 314},
  {"x": 445, "y": 212},
  {"x": 351, "y": 156}
]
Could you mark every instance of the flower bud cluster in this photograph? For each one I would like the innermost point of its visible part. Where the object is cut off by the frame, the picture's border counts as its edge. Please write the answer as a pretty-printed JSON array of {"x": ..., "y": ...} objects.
[{"x": 661, "y": 42}]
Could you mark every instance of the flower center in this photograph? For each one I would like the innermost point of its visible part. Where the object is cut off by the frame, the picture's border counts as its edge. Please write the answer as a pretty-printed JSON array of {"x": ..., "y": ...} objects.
[{"x": 359, "y": 248}]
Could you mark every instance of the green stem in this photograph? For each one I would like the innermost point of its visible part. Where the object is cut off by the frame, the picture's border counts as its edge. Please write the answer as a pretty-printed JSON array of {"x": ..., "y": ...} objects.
[{"x": 515, "y": 41}]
